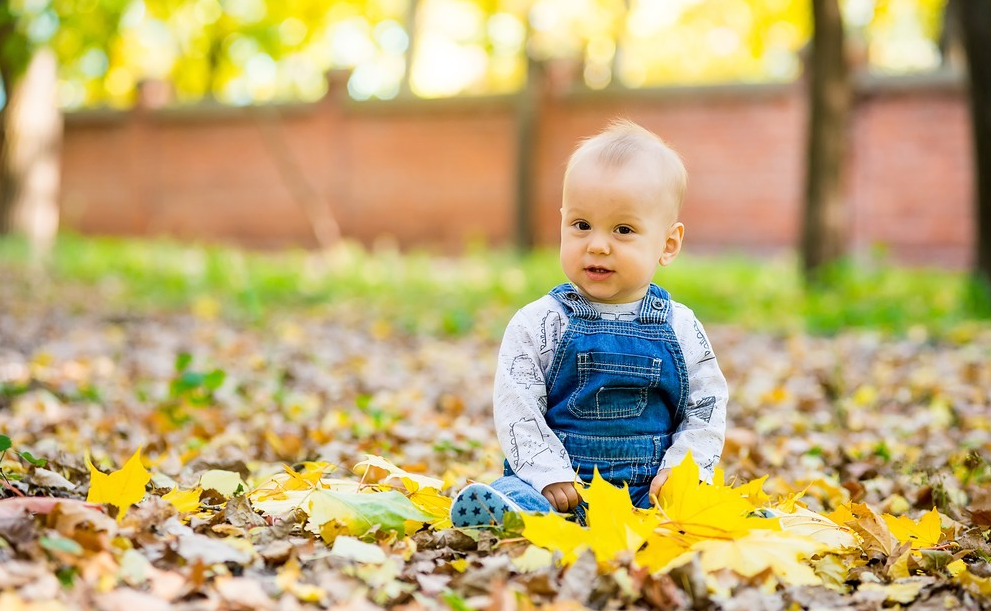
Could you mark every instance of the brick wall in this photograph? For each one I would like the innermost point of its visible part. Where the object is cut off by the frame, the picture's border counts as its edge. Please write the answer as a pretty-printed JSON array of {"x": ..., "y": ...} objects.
[{"x": 436, "y": 173}]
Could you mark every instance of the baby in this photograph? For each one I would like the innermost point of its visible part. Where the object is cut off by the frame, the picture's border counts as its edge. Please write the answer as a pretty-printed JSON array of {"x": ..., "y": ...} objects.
[{"x": 605, "y": 372}]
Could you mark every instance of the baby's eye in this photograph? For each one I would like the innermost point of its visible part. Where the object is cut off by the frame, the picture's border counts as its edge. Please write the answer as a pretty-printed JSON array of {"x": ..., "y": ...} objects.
[
  {"x": 582, "y": 225},
  {"x": 624, "y": 229}
]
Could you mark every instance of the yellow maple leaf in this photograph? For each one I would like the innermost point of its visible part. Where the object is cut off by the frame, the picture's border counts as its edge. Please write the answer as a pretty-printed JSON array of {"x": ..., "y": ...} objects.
[
  {"x": 842, "y": 514},
  {"x": 615, "y": 525},
  {"x": 924, "y": 533},
  {"x": 803, "y": 521},
  {"x": 306, "y": 479},
  {"x": 690, "y": 511},
  {"x": 432, "y": 502},
  {"x": 226, "y": 483},
  {"x": 900, "y": 569},
  {"x": 661, "y": 550},
  {"x": 695, "y": 510},
  {"x": 121, "y": 488},
  {"x": 533, "y": 559},
  {"x": 754, "y": 491},
  {"x": 184, "y": 500},
  {"x": 980, "y": 586},
  {"x": 780, "y": 552},
  {"x": 956, "y": 567},
  {"x": 552, "y": 531},
  {"x": 833, "y": 572},
  {"x": 412, "y": 481}
]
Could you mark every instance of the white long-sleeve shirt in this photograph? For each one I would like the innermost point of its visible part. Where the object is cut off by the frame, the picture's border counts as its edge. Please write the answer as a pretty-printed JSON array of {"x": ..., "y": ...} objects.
[{"x": 535, "y": 453}]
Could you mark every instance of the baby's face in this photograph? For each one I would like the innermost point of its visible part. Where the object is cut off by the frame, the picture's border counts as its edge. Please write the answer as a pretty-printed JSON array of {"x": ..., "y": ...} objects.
[{"x": 617, "y": 225}]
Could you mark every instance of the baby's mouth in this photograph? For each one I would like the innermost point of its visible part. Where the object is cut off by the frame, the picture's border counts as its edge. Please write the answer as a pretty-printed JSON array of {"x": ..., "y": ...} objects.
[{"x": 597, "y": 272}]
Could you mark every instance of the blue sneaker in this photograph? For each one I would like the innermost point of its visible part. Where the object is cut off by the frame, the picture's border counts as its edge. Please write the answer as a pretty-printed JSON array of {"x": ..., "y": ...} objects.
[{"x": 480, "y": 505}]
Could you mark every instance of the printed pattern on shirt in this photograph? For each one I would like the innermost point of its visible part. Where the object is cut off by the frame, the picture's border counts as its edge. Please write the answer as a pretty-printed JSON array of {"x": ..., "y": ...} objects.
[
  {"x": 523, "y": 371},
  {"x": 527, "y": 442},
  {"x": 707, "y": 354},
  {"x": 550, "y": 331},
  {"x": 703, "y": 409}
]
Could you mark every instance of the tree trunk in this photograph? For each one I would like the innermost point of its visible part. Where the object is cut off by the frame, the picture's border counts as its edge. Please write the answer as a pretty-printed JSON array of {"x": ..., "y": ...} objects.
[
  {"x": 412, "y": 17},
  {"x": 830, "y": 97},
  {"x": 975, "y": 18},
  {"x": 30, "y": 159},
  {"x": 951, "y": 49},
  {"x": 527, "y": 124}
]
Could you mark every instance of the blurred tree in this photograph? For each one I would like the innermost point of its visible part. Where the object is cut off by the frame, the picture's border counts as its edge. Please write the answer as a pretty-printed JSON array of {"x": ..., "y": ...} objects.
[
  {"x": 30, "y": 157},
  {"x": 30, "y": 123},
  {"x": 237, "y": 52},
  {"x": 251, "y": 51},
  {"x": 830, "y": 98},
  {"x": 975, "y": 21},
  {"x": 15, "y": 55}
]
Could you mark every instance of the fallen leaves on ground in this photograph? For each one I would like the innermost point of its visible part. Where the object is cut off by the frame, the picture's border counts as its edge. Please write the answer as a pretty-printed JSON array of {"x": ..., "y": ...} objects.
[{"x": 310, "y": 463}]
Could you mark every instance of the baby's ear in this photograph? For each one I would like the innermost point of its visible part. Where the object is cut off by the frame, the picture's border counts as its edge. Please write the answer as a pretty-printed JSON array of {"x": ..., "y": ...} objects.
[{"x": 672, "y": 244}]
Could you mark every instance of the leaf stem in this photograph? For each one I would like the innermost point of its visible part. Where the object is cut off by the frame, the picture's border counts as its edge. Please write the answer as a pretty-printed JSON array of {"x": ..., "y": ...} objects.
[{"x": 6, "y": 484}]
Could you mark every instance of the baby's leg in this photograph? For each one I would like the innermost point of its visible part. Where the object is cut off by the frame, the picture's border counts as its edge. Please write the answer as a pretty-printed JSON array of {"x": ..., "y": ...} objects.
[{"x": 485, "y": 505}]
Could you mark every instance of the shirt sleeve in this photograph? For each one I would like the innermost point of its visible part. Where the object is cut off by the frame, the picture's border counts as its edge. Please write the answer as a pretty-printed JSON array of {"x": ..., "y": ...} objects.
[
  {"x": 703, "y": 430},
  {"x": 519, "y": 397}
]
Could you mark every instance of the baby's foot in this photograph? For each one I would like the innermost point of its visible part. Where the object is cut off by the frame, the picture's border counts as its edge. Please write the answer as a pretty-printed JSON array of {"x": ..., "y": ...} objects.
[{"x": 480, "y": 505}]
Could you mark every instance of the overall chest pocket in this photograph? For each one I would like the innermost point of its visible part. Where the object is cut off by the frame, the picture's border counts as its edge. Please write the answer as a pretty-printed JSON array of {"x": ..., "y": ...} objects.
[{"x": 613, "y": 385}]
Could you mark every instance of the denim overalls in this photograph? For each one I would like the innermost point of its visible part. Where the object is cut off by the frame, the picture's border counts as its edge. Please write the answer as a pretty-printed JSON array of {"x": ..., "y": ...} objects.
[{"x": 616, "y": 391}]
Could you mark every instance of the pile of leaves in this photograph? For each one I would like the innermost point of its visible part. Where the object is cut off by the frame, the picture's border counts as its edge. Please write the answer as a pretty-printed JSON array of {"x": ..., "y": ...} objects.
[{"x": 177, "y": 461}]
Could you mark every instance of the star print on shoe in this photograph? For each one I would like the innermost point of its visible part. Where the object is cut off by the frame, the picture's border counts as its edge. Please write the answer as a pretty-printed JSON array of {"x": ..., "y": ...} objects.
[{"x": 480, "y": 505}]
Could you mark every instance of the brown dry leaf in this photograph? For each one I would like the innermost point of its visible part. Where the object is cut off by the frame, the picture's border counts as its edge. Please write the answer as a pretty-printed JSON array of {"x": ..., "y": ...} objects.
[
  {"x": 979, "y": 508},
  {"x": 243, "y": 594},
  {"x": 128, "y": 599},
  {"x": 578, "y": 580},
  {"x": 15, "y": 506},
  {"x": 207, "y": 551},
  {"x": 876, "y": 538}
]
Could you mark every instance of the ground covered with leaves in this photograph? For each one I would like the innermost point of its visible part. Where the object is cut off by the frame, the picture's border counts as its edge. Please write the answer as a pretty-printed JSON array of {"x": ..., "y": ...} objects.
[{"x": 184, "y": 461}]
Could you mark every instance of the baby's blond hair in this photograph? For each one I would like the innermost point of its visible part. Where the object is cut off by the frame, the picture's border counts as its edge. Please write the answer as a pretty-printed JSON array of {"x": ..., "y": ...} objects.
[{"x": 620, "y": 141}]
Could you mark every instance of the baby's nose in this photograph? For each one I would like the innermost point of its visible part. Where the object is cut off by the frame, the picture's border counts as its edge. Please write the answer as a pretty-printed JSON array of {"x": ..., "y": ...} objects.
[{"x": 598, "y": 244}]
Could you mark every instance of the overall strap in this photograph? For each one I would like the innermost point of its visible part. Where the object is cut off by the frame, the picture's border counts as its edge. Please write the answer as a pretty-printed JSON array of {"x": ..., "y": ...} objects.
[
  {"x": 654, "y": 308},
  {"x": 573, "y": 301},
  {"x": 656, "y": 305}
]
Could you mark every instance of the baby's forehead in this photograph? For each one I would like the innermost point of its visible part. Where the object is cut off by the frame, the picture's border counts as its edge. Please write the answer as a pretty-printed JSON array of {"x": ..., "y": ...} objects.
[{"x": 653, "y": 157}]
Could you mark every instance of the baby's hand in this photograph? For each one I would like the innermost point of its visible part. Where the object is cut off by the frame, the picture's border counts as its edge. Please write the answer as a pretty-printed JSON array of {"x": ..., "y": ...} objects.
[
  {"x": 563, "y": 496},
  {"x": 658, "y": 481}
]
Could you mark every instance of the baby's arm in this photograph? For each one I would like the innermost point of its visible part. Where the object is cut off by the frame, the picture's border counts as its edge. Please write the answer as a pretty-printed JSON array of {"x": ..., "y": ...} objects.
[
  {"x": 703, "y": 430},
  {"x": 534, "y": 452}
]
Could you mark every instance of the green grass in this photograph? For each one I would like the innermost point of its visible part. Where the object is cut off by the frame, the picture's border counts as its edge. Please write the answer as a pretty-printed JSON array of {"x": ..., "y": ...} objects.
[{"x": 476, "y": 292}]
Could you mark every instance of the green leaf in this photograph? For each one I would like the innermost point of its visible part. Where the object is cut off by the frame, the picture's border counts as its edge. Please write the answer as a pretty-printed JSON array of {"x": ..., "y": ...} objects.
[
  {"x": 61, "y": 544},
  {"x": 38, "y": 462},
  {"x": 214, "y": 379},
  {"x": 183, "y": 360},
  {"x": 455, "y": 601},
  {"x": 4, "y": 443},
  {"x": 190, "y": 380},
  {"x": 361, "y": 512},
  {"x": 67, "y": 575}
]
